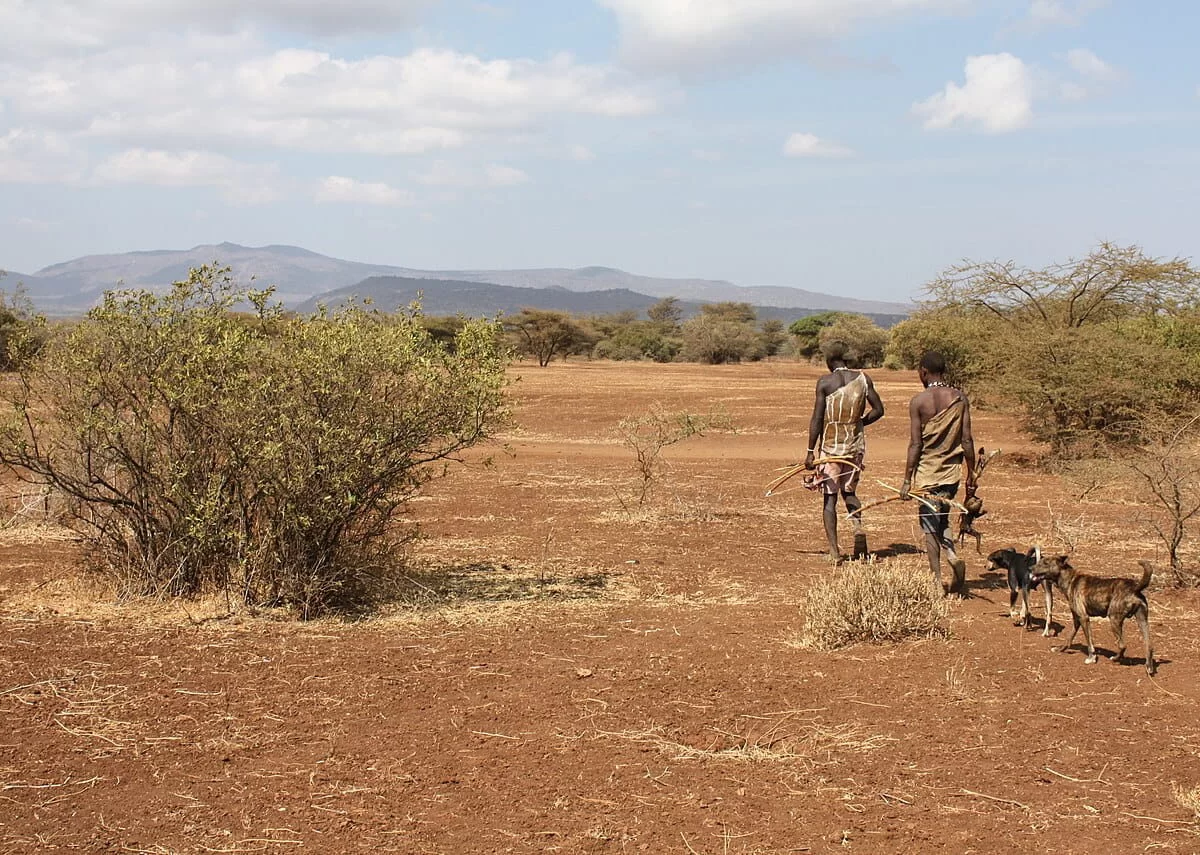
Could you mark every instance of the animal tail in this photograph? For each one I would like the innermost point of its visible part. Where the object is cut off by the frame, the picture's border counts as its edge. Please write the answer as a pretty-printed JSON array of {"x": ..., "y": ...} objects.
[{"x": 1147, "y": 572}]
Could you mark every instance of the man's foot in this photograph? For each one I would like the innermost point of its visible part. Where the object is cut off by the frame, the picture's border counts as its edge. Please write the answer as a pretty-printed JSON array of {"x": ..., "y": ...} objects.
[
  {"x": 958, "y": 586},
  {"x": 860, "y": 546}
]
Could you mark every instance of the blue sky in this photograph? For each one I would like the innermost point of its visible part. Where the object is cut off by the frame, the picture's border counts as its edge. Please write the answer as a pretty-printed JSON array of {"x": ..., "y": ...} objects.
[{"x": 846, "y": 146}]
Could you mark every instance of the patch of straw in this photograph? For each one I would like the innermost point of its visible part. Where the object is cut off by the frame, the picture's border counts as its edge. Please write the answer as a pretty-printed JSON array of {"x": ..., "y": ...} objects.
[
  {"x": 883, "y": 602},
  {"x": 1187, "y": 798},
  {"x": 776, "y": 739}
]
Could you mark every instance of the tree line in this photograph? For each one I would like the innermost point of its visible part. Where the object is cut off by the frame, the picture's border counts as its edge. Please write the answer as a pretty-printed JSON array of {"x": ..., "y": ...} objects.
[{"x": 726, "y": 332}]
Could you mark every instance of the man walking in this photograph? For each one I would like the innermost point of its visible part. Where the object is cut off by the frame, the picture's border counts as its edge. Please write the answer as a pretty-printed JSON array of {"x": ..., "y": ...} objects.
[
  {"x": 940, "y": 442},
  {"x": 835, "y": 432}
]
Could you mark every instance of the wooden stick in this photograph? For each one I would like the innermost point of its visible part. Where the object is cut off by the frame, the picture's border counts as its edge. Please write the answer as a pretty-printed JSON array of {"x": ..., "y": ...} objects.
[
  {"x": 796, "y": 468},
  {"x": 967, "y": 792},
  {"x": 1156, "y": 819},
  {"x": 924, "y": 494}
]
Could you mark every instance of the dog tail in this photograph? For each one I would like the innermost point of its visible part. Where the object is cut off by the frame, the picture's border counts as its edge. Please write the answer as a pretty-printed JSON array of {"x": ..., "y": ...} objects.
[{"x": 1147, "y": 572}]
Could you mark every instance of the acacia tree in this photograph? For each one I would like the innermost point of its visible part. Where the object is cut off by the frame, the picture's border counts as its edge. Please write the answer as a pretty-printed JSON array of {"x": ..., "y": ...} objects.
[
  {"x": 711, "y": 339},
  {"x": 807, "y": 332},
  {"x": 667, "y": 314},
  {"x": 1073, "y": 343},
  {"x": 772, "y": 336},
  {"x": 545, "y": 333}
]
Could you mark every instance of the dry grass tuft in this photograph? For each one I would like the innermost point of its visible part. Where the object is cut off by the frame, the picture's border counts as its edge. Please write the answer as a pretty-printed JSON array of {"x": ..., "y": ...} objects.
[
  {"x": 777, "y": 740},
  {"x": 882, "y": 602},
  {"x": 1187, "y": 798}
]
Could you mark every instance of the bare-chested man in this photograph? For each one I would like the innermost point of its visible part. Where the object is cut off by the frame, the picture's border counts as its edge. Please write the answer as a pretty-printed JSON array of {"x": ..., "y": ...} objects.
[
  {"x": 836, "y": 431},
  {"x": 940, "y": 442}
]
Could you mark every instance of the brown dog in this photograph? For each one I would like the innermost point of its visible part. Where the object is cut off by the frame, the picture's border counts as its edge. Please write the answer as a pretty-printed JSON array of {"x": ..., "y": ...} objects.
[{"x": 1097, "y": 596}]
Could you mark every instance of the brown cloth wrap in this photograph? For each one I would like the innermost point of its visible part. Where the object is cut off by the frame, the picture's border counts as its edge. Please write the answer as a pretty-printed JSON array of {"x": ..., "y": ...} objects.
[{"x": 941, "y": 449}]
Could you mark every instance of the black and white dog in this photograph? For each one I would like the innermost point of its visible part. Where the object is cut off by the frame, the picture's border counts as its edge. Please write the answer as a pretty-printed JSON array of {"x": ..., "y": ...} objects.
[{"x": 1020, "y": 581}]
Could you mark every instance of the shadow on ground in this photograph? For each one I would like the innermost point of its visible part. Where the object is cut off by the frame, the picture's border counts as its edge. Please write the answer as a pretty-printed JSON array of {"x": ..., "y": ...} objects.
[
  {"x": 484, "y": 582},
  {"x": 894, "y": 550}
]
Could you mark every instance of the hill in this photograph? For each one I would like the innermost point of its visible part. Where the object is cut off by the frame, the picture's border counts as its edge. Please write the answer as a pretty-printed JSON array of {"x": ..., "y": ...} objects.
[
  {"x": 451, "y": 297},
  {"x": 300, "y": 275}
]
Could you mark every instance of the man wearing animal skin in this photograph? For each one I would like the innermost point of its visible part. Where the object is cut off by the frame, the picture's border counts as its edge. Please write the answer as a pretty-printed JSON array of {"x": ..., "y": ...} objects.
[
  {"x": 835, "y": 431},
  {"x": 940, "y": 441}
]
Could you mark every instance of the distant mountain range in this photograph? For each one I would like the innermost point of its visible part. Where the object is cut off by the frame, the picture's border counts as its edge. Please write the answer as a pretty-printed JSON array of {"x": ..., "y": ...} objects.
[
  {"x": 452, "y": 297},
  {"x": 304, "y": 278}
]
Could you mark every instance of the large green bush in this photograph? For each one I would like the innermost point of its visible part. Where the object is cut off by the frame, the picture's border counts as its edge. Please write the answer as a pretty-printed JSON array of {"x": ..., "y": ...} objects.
[
  {"x": 635, "y": 341},
  {"x": 861, "y": 339},
  {"x": 270, "y": 458},
  {"x": 22, "y": 329},
  {"x": 969, "y": 340},
  {"x": 1089, "y": 351},
  {"x": 806, "y": 332}
]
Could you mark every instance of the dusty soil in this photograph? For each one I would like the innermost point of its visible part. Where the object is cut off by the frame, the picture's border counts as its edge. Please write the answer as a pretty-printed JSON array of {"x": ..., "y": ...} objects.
[{"x": 572, "y": 675}]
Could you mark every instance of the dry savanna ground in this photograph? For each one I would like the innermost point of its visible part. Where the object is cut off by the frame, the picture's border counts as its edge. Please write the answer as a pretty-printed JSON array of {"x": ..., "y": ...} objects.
[{"x": 566, "y": 674}]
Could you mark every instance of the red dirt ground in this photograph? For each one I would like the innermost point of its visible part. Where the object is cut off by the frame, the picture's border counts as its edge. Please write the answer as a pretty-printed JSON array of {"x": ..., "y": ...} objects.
[{"x": 583, "y": 679}]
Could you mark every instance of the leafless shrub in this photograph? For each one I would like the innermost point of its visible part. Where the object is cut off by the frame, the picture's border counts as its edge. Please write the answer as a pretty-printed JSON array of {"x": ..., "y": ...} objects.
[
  {"x": 1166, "y": 468},
  {"x": 648, "y": 434},
  {"x": 1066, "y": 533}
]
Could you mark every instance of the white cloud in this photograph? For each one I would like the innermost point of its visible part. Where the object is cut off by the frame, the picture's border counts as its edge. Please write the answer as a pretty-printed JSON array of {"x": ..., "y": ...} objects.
[
  {"x": 1044, "y": 14},
  {"x": 996, "y": 96},
  {"x": 337, "y": 188},
  {"x": 1086, "y": 64},
  {"x": 28, "y": 224},
  {"x": 38, "y": 25},
  {"x": 499, "y": 175},
  {"x": 810, "y": 145},
  {"x": 243, "y": 183},
  {"x": 581, "y": 153},
  {"x": 165, "y": 95},
  {"x": 1093, "y": 76},
  {"x": 38, "y": 156},
  {"x": 707, "y": 155},
  {"x": 694, "y": 35},
  {"x": 445, "y": 174},
  {"x": 179, "y": 88}
]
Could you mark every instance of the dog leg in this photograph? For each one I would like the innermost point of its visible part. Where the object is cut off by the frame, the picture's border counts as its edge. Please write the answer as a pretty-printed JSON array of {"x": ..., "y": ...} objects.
[
  {"x": 1090, "y": 659},
  {"x": 1025, "y": 613},
  {"x": 1118, "y": 626},
  {"x": 1142, "y": 616},
  {"x": 1012, "y": 605},
  {"x": 1049, "y": 593},
  {"x": 1074, "y": 629}
]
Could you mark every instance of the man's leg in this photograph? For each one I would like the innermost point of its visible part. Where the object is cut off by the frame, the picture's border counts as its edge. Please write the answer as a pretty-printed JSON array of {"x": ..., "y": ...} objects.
[
  {"x": 958, "y": 567},
  {"x": 933, "y": 551},
  {"x": 934, "y": 524},
  {"x": 860, "y": 536},
  {"x": 831, "y": 527}
]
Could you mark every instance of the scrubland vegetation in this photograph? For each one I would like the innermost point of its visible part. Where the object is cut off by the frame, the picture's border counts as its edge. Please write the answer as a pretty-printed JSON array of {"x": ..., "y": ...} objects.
[
  {"x": 263, "y": 455},
  {"x": 202, "y": 447}
]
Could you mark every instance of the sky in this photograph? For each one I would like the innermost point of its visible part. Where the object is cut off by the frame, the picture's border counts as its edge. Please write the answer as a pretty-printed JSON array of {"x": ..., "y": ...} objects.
[{"x": 855, "y": 147}]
